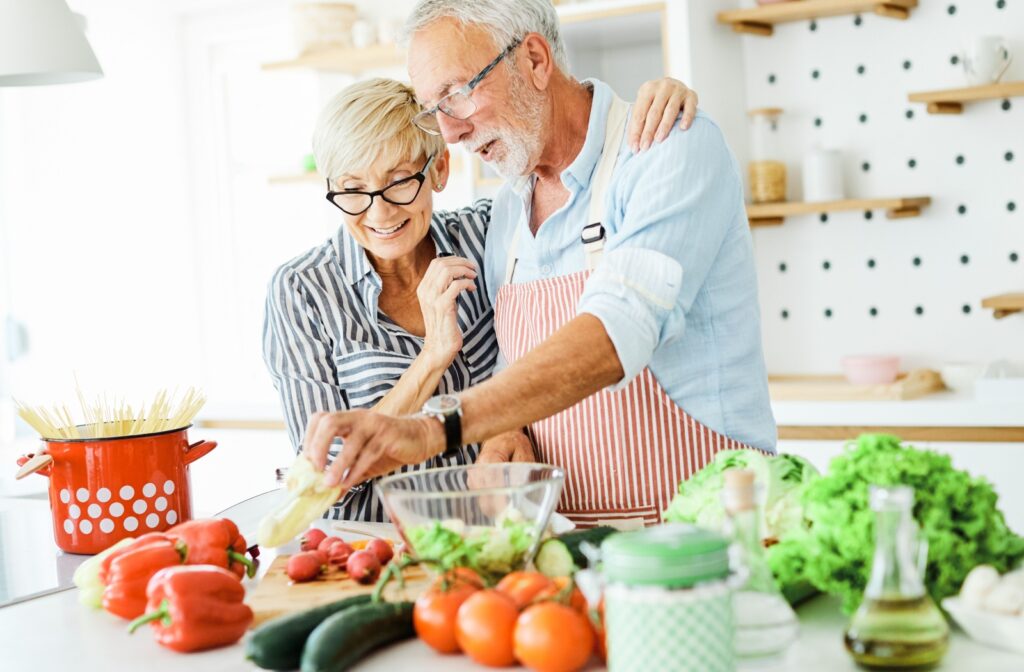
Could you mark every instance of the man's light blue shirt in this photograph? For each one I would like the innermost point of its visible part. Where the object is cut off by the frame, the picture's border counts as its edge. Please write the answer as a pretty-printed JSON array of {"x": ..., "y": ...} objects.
[{"x": 676, "y": 289}]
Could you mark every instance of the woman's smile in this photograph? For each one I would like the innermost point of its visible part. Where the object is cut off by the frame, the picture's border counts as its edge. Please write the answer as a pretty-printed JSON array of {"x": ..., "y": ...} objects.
[{"x": 388, "y": 233}]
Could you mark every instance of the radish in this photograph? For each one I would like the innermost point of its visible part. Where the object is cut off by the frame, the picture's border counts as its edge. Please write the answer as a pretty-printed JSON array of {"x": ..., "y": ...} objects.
[
  {"x": 304, "y": 566},
  {"x": 364, "y": 567}
]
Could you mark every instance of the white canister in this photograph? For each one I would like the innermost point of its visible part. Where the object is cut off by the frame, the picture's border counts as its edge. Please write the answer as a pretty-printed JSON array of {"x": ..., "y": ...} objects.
[
  {"x": 823, "y": 175},
  {"x": 364, "y": 34},
  {"x": 986, "y": 59}
]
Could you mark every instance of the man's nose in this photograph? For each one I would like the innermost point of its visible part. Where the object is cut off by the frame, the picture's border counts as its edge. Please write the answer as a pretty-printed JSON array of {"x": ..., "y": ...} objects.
[{"x": 453, "y": 130}]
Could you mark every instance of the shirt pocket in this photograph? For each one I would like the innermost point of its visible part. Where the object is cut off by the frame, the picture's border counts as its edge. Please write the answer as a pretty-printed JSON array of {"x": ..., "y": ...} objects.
[
  {"x": 480, "y": 347},
  {"x": 367, "y": 374}
]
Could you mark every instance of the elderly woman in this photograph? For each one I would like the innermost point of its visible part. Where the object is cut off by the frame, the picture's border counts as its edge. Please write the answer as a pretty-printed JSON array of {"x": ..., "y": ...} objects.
[{"x": 392, "y": 309}]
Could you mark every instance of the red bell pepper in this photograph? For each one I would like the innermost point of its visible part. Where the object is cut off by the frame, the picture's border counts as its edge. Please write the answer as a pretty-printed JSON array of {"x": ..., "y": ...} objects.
[
  {"x": 141, "y": 542},
  {"x": 193, "y": 608},
  {"x": 214, "y": 541},
  {"x": 130, "y": 572}
]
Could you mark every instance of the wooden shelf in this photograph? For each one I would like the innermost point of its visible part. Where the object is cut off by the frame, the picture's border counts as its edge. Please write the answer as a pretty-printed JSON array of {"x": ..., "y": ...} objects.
[
  {"x": 760, "y": 20},
  {"x": 298, "y": 178},
  {"x": 773, "y": 214},
  {"x": 349, "y": 61},
  {"x": 1004, "y": 304},
  {"x": 951, "y": 101},
  {"x": 609, "y": 9}
]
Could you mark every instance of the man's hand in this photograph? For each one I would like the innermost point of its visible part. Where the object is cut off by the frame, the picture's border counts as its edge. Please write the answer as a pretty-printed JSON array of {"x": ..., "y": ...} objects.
[
  {"x": 514, "y": 446},
  {"x": 374, "y": 444}
]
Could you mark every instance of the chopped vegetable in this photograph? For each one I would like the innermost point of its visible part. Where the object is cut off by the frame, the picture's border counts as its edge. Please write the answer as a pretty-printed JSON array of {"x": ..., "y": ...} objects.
[
  {"x": 307, "y": 500},
  {"x": 957, "y": 515},
  {"x": 491, "y": 551},
  {"x": 562, "y": 555}
]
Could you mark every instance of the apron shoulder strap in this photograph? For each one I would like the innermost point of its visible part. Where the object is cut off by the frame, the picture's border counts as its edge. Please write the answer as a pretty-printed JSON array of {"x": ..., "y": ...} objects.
[{"x": 593, "y": 234}]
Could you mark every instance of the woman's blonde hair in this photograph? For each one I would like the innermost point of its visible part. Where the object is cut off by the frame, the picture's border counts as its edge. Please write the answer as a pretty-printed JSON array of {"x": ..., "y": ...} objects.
[{"x": 369, "y": 122}]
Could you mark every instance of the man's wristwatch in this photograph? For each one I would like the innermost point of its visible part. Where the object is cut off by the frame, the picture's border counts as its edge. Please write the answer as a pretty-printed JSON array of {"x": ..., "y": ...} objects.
[{"x": 447, "y": 409}]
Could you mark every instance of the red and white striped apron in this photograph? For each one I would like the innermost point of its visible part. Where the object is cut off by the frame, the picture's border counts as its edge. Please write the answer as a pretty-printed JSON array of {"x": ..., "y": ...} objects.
[{"x": 624, "y": 452}]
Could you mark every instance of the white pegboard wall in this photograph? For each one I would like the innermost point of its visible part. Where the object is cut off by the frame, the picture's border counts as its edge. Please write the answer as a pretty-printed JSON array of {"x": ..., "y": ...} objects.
[{"x": 843, "y": 83}]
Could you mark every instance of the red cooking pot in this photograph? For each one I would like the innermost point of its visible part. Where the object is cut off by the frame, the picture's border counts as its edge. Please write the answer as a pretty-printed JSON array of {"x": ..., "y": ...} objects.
[{"x": 104, "y": 490}]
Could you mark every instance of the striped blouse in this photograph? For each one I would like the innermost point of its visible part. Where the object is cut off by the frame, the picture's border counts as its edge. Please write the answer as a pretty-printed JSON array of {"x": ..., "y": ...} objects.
[{"x": 329, "y": 348}]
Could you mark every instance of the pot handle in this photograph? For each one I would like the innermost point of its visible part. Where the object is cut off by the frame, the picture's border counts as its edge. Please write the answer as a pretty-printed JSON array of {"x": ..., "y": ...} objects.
[
  {"x": 198, "y": 449},
  {"x": 34, "y": 463}
]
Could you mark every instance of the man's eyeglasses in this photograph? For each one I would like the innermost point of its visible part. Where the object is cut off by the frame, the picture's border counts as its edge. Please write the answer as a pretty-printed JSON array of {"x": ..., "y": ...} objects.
[
  {"x": 402, "y": 192},
  {"x": 458, "y": 104}
]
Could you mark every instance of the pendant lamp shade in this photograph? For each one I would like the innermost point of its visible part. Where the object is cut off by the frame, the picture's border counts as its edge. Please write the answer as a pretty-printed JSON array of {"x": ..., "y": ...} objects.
[{"x": 43, "y": 42}]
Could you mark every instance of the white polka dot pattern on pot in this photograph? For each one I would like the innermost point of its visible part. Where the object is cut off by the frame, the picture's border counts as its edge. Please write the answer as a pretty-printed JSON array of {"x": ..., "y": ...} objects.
[
  {"x": 95, "y": 510},
  {"x": 82, "y": 495},
  {"x": 65, "y": 495},
  {"x": 85, "y": 526},
  {"x": 172, "y": 517},
  {"x": 127, "y": 492},
  {"x": 160, "y": 504},
  {"x": 131, "y": 524},
  {"x": 74, "y": 512},
  {"x": 69, "y": 527},
  {"x": 168, "y": 487},
  {"x": 106, "y": 526},
  {"x": 139, "y": 506},
  {"x": 152, "y": 520},
  {"x": 103, "y": 494},
  {"x": 116, "y": 509},
  {"x": 149, "y": 490}
]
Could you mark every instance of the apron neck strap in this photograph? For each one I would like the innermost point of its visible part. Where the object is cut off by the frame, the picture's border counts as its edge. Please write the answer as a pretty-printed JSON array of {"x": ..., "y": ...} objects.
[{"x": 593, "y": 233}]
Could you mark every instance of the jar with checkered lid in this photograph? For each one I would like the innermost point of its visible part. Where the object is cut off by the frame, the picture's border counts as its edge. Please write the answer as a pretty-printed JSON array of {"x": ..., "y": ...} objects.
[{"x": 668, "y": 600}]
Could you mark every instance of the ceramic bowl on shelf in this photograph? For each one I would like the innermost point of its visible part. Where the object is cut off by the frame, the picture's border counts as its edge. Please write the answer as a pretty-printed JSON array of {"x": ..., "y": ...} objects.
[
  {"x": 871, "y": 369},
  {"x": 960, "y": 376}
]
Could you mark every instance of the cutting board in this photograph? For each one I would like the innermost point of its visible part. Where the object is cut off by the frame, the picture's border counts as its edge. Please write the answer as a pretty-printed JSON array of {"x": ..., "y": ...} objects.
[
  {"x": 913, "y": 385},
  {"x": 277, "y": 595}
]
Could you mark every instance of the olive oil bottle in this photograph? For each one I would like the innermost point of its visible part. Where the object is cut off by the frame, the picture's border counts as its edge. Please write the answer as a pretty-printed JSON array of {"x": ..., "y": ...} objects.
[{"x": 897, "y": 625}]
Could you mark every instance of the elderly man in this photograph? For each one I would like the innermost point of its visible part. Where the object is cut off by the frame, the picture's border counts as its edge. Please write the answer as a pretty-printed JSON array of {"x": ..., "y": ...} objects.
[{"x": 622, "y": 278}]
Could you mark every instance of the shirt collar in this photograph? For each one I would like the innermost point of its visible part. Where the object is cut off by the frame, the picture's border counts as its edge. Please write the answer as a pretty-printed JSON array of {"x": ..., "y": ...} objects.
[{"x": 355, "y": 265}]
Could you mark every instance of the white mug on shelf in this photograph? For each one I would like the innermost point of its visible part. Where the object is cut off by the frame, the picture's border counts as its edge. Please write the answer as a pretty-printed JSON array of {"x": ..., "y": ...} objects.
[
  {"x": 986, "y": 59},
  {"x": 823, "y": 175}
]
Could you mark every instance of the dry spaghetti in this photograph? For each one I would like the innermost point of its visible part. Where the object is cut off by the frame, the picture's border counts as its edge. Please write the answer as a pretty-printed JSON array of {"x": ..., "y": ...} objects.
[{"x": 107, "y": 418}]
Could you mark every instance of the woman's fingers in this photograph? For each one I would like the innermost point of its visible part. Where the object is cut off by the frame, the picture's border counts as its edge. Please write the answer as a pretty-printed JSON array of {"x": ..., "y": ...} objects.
[
  {"x": 644, "y": 98},
  {"x": 689, "y": 109},
  {"x": 653, "y": 119},
  {"x": 452, "y": 293},
  {"x": 668, "y": 117}
]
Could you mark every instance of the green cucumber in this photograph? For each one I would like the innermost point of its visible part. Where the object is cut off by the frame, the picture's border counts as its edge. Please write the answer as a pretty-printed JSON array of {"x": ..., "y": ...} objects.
[
  {"x": 561, "y": 556},
  {"x": 345, "y": 638},
  {"x": 278, "y": 644}
]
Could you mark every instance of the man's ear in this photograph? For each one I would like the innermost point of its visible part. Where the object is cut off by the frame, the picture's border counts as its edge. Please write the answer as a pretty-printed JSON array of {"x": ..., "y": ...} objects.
[{"x": 536, "y": 55}]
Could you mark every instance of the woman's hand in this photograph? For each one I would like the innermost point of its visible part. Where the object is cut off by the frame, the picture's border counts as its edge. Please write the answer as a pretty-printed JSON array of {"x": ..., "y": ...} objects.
[
  {"x": 658, "y": 103},
  {"x": 438, "y": 293}
]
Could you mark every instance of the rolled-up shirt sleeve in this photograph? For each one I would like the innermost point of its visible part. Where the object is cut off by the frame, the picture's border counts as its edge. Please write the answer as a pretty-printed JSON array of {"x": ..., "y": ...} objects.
[
  {"x": 297, "y": 351},
  {"x": 674, "y": 206}
]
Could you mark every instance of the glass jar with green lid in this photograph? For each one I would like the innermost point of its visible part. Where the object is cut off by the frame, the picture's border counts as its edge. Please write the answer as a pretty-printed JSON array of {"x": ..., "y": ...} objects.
[{"x": 668, "y": 603}]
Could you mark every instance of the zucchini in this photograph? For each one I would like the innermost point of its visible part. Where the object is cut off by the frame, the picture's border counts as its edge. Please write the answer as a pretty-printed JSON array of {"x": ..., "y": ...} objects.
[
  {"x": 561, "y": 555},
  {"x": 277, "y": 644},
  {"x": 345, "y": 638}
]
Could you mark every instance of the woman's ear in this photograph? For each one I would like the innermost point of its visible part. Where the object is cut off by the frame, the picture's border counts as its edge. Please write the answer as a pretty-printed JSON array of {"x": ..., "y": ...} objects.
[{"x": 442, "y": 167}]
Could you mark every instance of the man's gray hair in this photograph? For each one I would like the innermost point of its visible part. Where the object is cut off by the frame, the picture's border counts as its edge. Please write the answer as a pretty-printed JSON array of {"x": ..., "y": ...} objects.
[{"x": 505, "y": 20}]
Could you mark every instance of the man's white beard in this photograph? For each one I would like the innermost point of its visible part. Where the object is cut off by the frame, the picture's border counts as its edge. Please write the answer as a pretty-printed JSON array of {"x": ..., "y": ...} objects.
[{"x": 521, "y": 146}]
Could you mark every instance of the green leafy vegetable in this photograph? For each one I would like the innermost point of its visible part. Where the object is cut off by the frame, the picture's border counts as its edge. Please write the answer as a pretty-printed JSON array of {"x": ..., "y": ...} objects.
[
  {"x": 957, "y": 515},
  {"x": 490, "y": 551},
  {"x": 781, "y": 477}
]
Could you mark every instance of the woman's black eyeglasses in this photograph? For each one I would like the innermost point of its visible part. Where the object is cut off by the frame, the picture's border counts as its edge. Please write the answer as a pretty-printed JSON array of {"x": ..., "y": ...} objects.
[{"x": 402, "y": 192}]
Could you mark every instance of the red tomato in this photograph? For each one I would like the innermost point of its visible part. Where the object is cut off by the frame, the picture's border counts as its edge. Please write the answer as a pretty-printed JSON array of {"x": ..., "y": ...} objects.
[
  {"x": 523, "y": 587},
  {"x": 552, "y": 637},
  {"x": 435, "y": 612},
  {"x": 460, "y": 575},
  {"x": 558, "y": 584},
  {"x": 484, "y": 626}
]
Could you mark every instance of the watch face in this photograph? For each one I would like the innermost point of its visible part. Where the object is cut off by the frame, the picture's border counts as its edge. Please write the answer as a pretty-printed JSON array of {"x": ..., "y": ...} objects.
[{"x": 445, "y": 403}]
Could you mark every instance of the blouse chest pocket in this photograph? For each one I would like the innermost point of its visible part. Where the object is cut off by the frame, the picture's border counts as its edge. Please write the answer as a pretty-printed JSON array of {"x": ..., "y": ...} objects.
[{"x": 367, "y": 374}]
